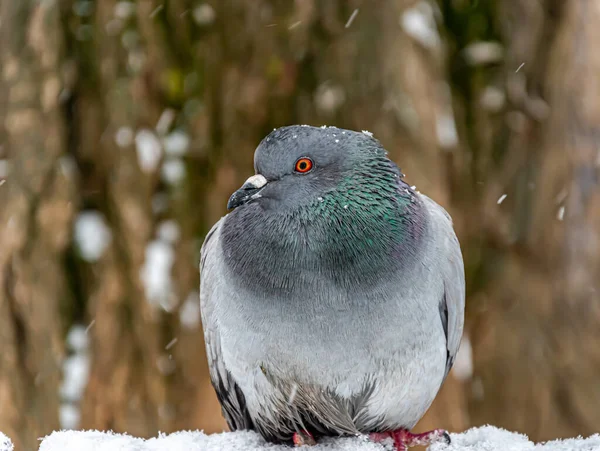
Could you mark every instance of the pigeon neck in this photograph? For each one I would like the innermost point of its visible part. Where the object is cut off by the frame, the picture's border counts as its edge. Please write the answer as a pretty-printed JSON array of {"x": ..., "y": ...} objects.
[
  {"x": 377, "y": 217},
  {"x": 355, "y": 236}
]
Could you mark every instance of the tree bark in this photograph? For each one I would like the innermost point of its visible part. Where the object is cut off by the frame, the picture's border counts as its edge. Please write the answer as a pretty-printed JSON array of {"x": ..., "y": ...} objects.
[
  {"x": 535, "y": 322},
  {"x": 37, "y": 201}
]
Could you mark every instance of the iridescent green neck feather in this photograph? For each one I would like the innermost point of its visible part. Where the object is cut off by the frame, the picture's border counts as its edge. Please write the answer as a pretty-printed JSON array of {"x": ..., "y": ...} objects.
[{"x": 357, "y": 233}]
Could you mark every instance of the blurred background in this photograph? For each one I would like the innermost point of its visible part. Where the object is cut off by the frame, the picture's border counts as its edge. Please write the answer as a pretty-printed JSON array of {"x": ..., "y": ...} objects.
[{"x": 125, "y": 126}]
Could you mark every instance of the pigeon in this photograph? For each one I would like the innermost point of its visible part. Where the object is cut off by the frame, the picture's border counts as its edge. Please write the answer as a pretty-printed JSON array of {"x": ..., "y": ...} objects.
[{"x": 332, "y": 294}]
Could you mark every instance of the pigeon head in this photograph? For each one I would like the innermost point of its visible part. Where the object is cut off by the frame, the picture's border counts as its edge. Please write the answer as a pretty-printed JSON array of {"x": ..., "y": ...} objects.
[
  {"x": 297, "y": 165},
  {"x": 322, "y": 201}
]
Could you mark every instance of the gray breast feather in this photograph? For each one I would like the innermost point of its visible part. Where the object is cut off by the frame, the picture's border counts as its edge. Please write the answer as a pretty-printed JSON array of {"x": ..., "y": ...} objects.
[
  {"x": 228, "y": 392},
  {"x": 286, "y": 407},
  {"x": 451, "y": 267},
  {"x": 268, "y": 409}
]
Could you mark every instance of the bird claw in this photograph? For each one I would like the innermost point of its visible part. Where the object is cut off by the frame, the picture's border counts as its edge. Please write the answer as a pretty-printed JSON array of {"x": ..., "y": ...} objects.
[
  {"x": 303, "y": 438},
  {"x": 404, "y": 439}
]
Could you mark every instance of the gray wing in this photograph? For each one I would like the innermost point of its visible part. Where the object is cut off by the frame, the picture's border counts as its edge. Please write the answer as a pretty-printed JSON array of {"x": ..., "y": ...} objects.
[
  {"x": 228, "y": 392},
  {"x": 452, "y": 304}
]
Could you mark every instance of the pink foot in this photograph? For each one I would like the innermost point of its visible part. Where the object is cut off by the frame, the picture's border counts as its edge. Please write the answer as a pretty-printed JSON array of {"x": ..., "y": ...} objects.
[
  {"x": 404, "y": 439},
  {"x": 303, "y": 438}
]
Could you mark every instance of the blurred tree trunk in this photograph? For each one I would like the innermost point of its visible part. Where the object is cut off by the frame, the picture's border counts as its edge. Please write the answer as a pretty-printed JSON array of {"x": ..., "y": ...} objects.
[
  {"x": 148, "y": 369},
  {"x": 534, "y": 311},
  {"x": 36, "y": 207}
]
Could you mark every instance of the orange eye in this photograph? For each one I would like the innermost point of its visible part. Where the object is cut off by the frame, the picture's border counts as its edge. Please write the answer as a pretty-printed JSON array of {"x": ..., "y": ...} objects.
[{"x": 303, "y": 165}]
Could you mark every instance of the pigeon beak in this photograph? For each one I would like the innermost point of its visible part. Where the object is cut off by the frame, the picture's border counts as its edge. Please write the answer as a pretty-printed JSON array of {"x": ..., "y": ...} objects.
[{"x": 249, "y": 190}]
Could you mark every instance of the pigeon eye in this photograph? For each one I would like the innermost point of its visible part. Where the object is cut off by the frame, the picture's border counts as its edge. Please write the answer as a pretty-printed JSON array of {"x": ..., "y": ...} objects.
[{"x": 303, "y": 165}]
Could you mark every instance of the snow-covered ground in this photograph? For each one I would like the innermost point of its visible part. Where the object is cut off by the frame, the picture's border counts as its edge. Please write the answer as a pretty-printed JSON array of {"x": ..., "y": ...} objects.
[
  {"x": 486, "y": 438},
  {"x": 5, "y": 443}
]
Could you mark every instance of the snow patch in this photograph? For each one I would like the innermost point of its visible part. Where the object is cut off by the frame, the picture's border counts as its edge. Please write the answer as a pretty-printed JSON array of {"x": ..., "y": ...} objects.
[
  {"x": 168, "y": 231},
  {"x": 463, "y": 365},
  {"x": 124, "y": 136},
  {"x": 486, "y": 438},
  {"x": 490, "y": 438},
  {"x": 483, "y": 52},
  {"x": 76, "y": 370},
  {"x": 204, "y": 14},
  {"x": 492, "y": 99},
  {"x": 77, "y": 338},
  {"x": 136, "y": 60},
  {"x": 186, "y": 440},
  {"x": 446, "y": 130},
  {"x": 445, "y": 125},
  {"x": 149, "y": 150},
  {"x": 165, "y": 364},
  {"x": 156, "y": 272},
  {"x": 419, "y": 23},
  {"x": 189, "y": 312},
  {"x": 173, "y": 171},
  {"x": 124, "y": 10},
  {"x": 176, "y": 143},
  {"x": 69, "y": 416},
  {"x": 477, "y": 389},
  {"x": 3, "y": 168},
  {"x": 329, "y": 98},
  {"x": 92, "y": 235},
  {"x": 5, "y": 443}
]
